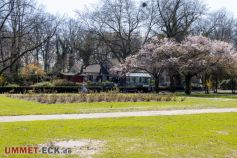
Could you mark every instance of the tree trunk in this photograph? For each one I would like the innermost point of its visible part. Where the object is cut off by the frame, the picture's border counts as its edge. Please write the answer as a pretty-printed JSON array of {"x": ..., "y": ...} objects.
[
  {"x": 188, "y": 87},
  {"x": 71, "y": 61},
  {"x": 206, "y": 86},
  {"x": 233, "y": 84},
  {"x": 172, "y": 84},
  {"x": 216, "y": 85},
  {"x": 46, "y": 57},
  {"x": 157, "y": 82}
]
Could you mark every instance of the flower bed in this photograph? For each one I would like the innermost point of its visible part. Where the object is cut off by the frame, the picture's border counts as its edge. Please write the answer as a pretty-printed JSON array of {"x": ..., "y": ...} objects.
[{"x": 95, "y": 97}]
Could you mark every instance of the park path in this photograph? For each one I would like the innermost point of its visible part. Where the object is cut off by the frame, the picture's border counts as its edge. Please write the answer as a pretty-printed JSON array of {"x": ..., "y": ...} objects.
[{"x": 112, "y": 115}]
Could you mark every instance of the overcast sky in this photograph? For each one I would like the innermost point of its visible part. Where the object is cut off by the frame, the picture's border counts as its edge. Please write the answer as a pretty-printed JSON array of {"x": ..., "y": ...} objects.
[{"x": 67, "y": 7}]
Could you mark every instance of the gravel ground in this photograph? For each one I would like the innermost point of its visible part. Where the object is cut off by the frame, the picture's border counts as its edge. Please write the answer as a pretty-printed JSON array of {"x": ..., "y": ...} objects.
[{"x": 112, "y": 115}]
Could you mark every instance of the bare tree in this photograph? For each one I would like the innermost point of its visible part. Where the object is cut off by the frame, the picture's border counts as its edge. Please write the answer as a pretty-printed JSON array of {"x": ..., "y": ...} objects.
[
  {"x": 120, "y": 25},
  {"x": 6, "y": 8},
  {"x": 20, "y": 35},
  {"x": 217, "y": 25},
  {"x": 176, "y": 17},
  {"x": 67, "y": 37},
  {"x": 47, "y": 50}
]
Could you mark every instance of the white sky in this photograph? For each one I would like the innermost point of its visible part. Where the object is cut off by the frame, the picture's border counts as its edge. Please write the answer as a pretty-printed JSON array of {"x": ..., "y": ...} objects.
[{"x": 67, "y": 7}]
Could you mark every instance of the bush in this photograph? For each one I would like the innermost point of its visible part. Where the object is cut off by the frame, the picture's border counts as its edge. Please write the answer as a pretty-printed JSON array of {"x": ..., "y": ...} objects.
[
  {"x": 16, "y": 89},
  {"x": 43, "y": 84},
  {"x": 62, "y": 82},
  {"x": 107, "y": 83},
  {"x": 3, "y": 80},
  {"x": 226, "y": 85},
  {"x": 12, "y": 85},
  {"x": 32, "y": 72}
]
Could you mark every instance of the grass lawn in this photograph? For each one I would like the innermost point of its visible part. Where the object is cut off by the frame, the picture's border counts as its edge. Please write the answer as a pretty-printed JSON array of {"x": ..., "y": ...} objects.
[
  {"x": 211, "y": 95},
  {"x": 10, "y": 106},
  {"x": 196, "y": 136}
]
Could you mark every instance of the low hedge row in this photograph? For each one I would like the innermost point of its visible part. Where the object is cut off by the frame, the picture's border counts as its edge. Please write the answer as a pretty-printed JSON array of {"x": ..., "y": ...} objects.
[
  {"x": 76, "y": 89},
  {"x": 150, "y": 89},
  {"x": 56, "y": 89}
]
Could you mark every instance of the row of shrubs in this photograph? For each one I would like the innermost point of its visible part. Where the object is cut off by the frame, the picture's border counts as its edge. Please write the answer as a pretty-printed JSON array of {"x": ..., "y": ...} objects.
[
  {"x": 95, "y": 97},
  {"x": 76, "y": 89},
  {"x": 53, "y": 83},
  {"x": 55, "y": 86},
  {"x": 65, "y": 86},
  {"x": 58, "y": 82},
  {"x": 58, "y": 89}
]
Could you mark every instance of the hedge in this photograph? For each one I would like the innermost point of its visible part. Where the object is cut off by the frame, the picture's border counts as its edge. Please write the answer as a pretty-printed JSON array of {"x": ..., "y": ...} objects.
[
  {"x": 77, "y": 89},
  {"x": 55, "y": 89}
]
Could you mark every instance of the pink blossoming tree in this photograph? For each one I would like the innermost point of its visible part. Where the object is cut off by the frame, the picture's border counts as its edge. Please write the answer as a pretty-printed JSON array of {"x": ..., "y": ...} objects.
[
  {"x": 152, "y": 58},
  {"x": 192, "y": 56}
]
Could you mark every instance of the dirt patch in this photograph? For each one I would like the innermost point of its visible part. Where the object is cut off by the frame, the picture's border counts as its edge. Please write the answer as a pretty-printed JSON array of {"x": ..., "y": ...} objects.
[
  {"x": 223, "y": 132},
  {"x": 85, "y": 148},
  {"x": 232, "y": 154}
]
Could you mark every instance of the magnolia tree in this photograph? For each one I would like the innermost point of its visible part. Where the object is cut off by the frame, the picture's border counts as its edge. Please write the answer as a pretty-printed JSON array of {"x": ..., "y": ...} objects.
[
  {"x": 192, "y": 56},
  {"x": 198, "y": 54},
  {"x": 231, "y": 69},
  {"x": 153, "y": 58},
  {"x": 226, "y": 68}
]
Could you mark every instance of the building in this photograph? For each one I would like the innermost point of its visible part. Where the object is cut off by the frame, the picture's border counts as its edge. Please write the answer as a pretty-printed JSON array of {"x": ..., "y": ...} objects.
[
  {"x": 92, "y": 73},
  {"x": 100, "y": 73}
]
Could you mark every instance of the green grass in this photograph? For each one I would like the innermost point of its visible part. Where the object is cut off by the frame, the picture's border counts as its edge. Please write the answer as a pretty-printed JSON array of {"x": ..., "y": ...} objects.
[
  {"x": 196, "y": 136},
  {"x": 211, "y": 95},
  {"x": 10, "y": 106}
]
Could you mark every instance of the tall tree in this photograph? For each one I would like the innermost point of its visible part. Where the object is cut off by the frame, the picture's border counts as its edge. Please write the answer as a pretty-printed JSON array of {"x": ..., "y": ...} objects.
[
  {"x": 119, "y": 24},
  {"x": 20, "y": 35},
  {"x": 177, "y": 17},
  {"x": 152, "y": 58}
]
